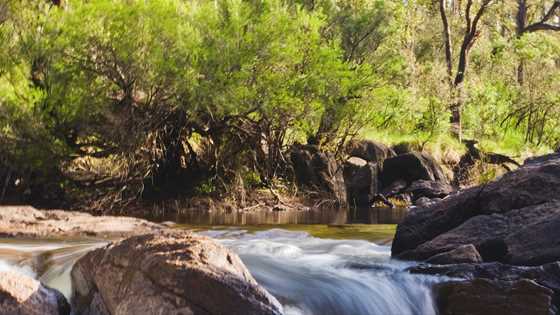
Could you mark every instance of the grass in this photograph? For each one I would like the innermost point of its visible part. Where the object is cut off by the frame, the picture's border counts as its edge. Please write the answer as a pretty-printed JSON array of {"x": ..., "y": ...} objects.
[{"x": 511, "y": 143}]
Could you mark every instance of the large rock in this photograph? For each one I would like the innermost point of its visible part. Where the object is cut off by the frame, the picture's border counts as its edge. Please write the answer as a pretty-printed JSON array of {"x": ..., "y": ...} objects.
[
  {"x": 411, "y": 167},
  {"x": 22, "y": 295},
  {"x": 511, "y": 220},
  {"x": 515, "y": 289},
  {"x": 25, "y": 221},
  {"x": 360, "y": 178},
  {"x": 167, "y": 273},
  {"x": 483, "y": 296},
  {"x": 430, "y": 189},
  {"x": 370, "y": 151},
  {"x": 318, "y": 170}
]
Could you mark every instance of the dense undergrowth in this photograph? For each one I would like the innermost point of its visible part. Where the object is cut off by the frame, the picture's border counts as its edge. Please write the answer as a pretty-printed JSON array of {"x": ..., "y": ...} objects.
[{"x": 107, "y": 103}]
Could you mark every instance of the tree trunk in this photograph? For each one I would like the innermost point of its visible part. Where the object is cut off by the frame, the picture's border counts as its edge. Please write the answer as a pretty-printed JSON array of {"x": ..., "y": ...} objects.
[
  {"x": 520, "y": 21},
  {"x": 446, "y": 40},
  {"x": 456, "y": 107}
]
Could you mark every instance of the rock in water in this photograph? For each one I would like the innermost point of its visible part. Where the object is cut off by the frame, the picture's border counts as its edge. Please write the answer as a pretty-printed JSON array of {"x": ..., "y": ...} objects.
[
  {"x": 483, "y": 297},
  {"x": 512, "y": 220},
  {"x": 22, "y": 295},
  {"x": 167, "y": 273},
  {"x": 360, "y": 178},
  {"x": 318, "y": 170}
]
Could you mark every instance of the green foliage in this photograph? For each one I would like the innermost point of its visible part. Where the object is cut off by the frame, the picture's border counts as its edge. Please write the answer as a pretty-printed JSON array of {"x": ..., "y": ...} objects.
[{"x": 208, "y": 90}]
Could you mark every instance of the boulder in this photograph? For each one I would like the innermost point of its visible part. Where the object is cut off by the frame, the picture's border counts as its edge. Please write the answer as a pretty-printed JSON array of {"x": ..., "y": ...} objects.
[
  {"x": 167, "y": 273},
  {"x": 22, "y": 295},
  {"x": 484, "y": 296},
  {"x": 371, "y": 151},
  {"x": 429, "y": 188},
  {"x": 462, "y": 254},
  {"x": 360, "y": 178},
  {"x": 511, "y": 220},
  {"x": 411, "y": 167},
  {"x": 318, "y": 170}
]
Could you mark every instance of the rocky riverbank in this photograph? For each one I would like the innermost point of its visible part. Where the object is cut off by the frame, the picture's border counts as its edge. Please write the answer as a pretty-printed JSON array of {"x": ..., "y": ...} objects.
[
  {"x": 500, "y": 237},
  {"x": 162, "y": 272},
  {"x": 178, "y": 272},
  {"x": 28, "y": 222}
]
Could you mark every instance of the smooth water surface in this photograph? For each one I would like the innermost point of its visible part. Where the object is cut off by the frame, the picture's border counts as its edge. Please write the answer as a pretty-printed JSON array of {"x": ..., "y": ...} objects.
[{"x": 315, "y": 216}]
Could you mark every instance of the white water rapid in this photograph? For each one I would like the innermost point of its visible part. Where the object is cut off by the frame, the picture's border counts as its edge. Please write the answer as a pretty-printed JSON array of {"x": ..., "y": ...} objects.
[{"x": 308, "y": 275}]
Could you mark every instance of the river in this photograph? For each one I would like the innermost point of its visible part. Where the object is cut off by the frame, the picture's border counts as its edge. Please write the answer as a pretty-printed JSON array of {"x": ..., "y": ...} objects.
[{"x": 337, "y": 273}]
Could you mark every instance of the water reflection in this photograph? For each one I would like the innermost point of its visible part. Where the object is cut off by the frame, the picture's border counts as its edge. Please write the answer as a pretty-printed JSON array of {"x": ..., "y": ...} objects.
[{"x": 324, "y": 216}]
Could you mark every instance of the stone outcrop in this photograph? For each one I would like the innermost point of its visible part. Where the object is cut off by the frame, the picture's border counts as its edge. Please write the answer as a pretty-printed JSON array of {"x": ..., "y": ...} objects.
[
  {"x": 511, "y": 220},
  {"x": 167, "y": 273},
  {"x": 22, "y": 295},
  {"x": 319, "y": 171},
  {"x": 360, "y": 177},
  {"x": 26, "y": 221},
  {"x": 411, "y": 167}
]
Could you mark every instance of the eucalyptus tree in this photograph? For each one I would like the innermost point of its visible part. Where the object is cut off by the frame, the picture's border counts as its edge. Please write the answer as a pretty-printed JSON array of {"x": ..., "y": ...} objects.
[
  {"x": 472, "y": 19},
  {"x": 543, "y": 16}
]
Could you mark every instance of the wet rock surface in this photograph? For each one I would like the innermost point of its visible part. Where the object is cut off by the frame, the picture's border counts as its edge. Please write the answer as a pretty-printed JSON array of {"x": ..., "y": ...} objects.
[
  {"x": 167, "y": 273},
  {"x": 22, "y": 295}
]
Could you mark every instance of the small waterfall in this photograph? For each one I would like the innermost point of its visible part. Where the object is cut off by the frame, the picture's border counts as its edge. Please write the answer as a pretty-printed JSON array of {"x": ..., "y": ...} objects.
[
  {"x": 308, "y": 275},
  {"x": 330, "y": 277},
  {"x": 48, "y": 261}
]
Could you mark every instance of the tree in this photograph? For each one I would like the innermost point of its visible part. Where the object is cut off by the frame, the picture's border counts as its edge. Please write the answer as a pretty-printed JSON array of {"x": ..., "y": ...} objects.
[
  {"x": 471, "y": 34},
  {"x": 545, "y": 23}
]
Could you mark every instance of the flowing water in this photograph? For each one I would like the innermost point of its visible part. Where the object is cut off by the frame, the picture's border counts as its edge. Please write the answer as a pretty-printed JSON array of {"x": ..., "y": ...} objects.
[
  {"x": 323, "y": 275},
  {"x": 310, "y": 275}
]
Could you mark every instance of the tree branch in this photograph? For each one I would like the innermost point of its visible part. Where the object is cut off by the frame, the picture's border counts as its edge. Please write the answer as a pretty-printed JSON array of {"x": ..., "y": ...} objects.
[{"x": 543, "y": 24}]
